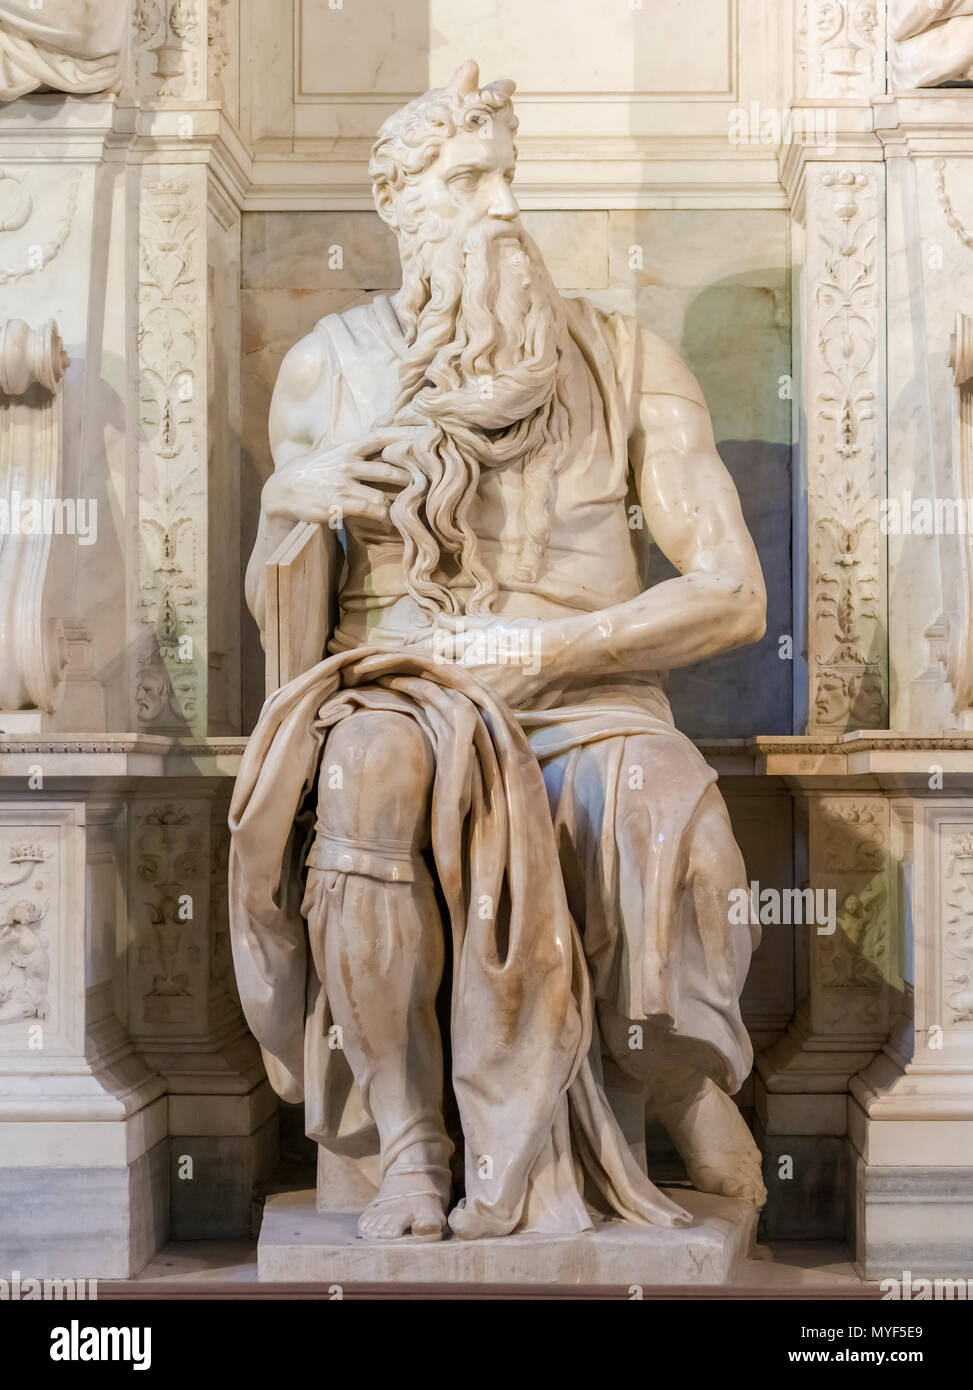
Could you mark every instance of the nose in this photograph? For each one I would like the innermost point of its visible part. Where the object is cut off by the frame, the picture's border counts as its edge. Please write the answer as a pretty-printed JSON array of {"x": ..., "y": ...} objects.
[{"x": 502, "y": 201}]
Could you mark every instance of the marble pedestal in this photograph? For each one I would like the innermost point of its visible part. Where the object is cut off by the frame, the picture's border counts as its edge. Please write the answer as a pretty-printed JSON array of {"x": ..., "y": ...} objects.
[{"x": 300, "y": 1244}]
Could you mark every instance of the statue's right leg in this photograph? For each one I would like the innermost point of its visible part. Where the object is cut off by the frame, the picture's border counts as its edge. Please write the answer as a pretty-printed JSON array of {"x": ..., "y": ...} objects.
[{"x": 377, "y": 942}]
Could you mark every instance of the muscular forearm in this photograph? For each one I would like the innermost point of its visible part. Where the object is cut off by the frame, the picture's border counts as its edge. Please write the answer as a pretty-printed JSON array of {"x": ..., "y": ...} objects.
[{"x": 676, "y": 623}]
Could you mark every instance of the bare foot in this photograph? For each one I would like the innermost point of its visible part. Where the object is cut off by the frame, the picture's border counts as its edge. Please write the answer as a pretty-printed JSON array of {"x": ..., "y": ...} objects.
[
  {"x": 408, "y": 1204},
  {"x": 712, "y": 1139}
]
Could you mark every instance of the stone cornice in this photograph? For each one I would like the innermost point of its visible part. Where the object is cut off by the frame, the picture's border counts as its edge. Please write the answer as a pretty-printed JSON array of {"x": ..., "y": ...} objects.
[
  {"x": 916, "y": 122},
  {"x": 887, "y": 760}
]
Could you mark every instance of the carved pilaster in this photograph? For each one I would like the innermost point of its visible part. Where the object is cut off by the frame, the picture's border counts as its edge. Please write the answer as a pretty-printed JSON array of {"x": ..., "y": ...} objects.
[
  {"x": 959, "y": 665},
  {"x": 911, "y": 1112},
  {"x": 74, "y": 1096},
  {"x": 844, "y": 398},
  {"x": 170, "y": 648},
  {"x": 169, "y": 49},
  {"x": 847, "y": 969},
  {"x": 32, "y": 364},
  {"x": 850, "y": 963},
  {"x": 185, "y": 1016},
  {"x": 184, "y": 58},
  {"x": 943, "y": 924},
  {"x": 842, "y": 48},
  {"x": 29, "y": 910},
  {"x": 851, "y": 966},
  {"x": 170, "y": 895}
]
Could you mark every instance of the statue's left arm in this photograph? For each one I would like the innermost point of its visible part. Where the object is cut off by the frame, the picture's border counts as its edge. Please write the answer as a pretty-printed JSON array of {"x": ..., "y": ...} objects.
[{"x": 718, "y": 600}]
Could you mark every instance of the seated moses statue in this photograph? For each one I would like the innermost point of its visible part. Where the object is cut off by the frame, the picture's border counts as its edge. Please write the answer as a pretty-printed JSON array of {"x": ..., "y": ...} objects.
[{"x": 477, "y": 783}]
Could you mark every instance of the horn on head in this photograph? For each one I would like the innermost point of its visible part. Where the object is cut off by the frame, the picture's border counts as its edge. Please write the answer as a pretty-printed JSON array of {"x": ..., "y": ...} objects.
[
  {"x": 503, "y": 85},
  {"x": 465, "y": 79}
]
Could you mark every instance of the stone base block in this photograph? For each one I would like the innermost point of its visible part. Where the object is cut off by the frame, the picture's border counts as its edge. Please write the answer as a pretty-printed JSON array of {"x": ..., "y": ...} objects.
[
  {"x": 300, "y": 1244},
  {"x": 806, "y": 1177},
  {"x": 212, "y": 1194},
  {"x": 84, "y": 1223},
  {"x": 917, "y": 1219}
]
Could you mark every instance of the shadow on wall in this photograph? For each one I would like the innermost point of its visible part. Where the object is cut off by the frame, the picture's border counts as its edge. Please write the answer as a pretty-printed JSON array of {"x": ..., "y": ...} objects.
[{"x": 736, "y": 339}]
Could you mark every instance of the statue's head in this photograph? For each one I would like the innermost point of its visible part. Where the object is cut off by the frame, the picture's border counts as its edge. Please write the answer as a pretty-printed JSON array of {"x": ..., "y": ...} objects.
[
  {"x": 448, "y": 157},
  {"x": 484, "y": 328}
]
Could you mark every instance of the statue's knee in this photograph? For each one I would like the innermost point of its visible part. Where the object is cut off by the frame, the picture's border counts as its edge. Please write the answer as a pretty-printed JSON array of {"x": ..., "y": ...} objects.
[
  {"x": 375, "y": 779},
  {"x": 714, "y": 854}
]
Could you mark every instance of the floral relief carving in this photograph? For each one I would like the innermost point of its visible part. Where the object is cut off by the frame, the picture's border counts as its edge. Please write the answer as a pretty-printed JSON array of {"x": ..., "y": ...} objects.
[
  {"x": 169, "y": 864},
  {"x": 165, "y": 58},
  {"x": 25, "y": 964},
  {"x": 169, "y": 673},
  {"x": 852, "y": 964},
  {"x": 958, "y": 939},
  {"x": 848, "y": 664}
]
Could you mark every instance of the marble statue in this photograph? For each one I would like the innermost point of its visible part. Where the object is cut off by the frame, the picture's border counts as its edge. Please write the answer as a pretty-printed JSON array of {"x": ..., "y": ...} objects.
[
  {"x": 933, "y": 42},
  {"x": 68, "y": 45},
  {"x": 487, "y": 744},
  {"x": 32, "y": 367}
]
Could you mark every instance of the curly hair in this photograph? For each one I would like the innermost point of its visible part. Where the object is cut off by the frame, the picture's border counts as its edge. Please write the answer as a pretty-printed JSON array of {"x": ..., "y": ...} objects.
[{"x": 410, "y": 140}]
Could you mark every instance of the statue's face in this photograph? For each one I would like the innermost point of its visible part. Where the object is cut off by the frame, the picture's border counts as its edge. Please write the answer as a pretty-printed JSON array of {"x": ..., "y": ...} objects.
[{"x": 469, "y": 182}]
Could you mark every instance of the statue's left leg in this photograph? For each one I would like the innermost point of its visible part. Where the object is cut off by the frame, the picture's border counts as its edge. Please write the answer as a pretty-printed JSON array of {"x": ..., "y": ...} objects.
[{"x": 684, "y": 1069}]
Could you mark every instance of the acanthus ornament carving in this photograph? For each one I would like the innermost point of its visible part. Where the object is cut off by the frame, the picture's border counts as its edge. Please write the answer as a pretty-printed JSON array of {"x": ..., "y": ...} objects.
[
  {"x": 221, "y": 977},
  {"x": 959, "y": 661},
  {"x": 25, "y": 965},
  {"x": 218, "y": 46},
  {"x": 843, "y": 44},
  {"x": 166, "y": 60},
  {"x": 851, "y": 964},
  {"x": 958, "y": 940},
  {"x": 848, "y": 658},
  {"x": 169, "y": 841},
  {"x": 168, "y": 676},
  {"x": 32, "y": 365}
]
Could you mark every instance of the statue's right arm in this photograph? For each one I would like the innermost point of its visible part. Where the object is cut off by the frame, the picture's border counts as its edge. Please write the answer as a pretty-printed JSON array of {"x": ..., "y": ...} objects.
[
  {"x": 298, "y": 420},
  {"x": 316, "y": 477}
]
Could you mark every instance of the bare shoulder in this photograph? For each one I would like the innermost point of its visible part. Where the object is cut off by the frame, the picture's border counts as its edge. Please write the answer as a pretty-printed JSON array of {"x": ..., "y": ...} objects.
[
  {"x": 295, "y": 408},
  {"x": 659, "y": 370},
  {"x": 303, "y": 366},
  {"x": 682, "y": 424},
  {"x": 645, "y": 363}
]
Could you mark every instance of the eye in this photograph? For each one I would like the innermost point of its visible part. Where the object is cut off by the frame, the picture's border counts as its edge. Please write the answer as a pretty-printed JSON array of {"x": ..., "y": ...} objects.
[
  {"x": 465, "y": 181},
  {"x": 509, "y": 176}
]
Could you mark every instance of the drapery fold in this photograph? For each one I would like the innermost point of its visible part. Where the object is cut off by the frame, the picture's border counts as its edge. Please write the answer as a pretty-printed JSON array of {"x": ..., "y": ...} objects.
[
  {"x": 71, "y": 45},
  {"x": 532, "y": 1106}
]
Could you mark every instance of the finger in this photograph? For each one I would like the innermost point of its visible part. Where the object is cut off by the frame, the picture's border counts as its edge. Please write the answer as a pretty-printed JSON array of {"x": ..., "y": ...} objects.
[
  {"x": 382, "y": 438},
  {"x": 357, "y": 500},
  {"x": 378, "y": 471}
]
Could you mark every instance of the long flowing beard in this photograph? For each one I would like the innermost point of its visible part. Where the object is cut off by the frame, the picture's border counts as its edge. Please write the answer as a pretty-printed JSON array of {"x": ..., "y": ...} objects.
[{"x": 481, "y": 379}]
